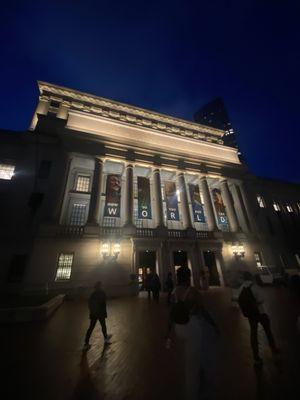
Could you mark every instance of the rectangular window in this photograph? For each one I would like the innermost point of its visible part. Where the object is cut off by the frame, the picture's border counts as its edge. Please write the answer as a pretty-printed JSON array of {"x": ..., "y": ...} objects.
[
  {"x": 64, "y": 267},
  {"x": 7, "y": 171},
  {"x": 276, "y": 206},
  {"x": 298, "y": 259},
  {"x": 260, "y": 201},
  {"x": 289, "y": 208},
  {"x": 82, "y": 183},
  {"x": 298, "y": 205},
  {"x": 78, "y": 214},
  {"x": 258, "y": 259}
]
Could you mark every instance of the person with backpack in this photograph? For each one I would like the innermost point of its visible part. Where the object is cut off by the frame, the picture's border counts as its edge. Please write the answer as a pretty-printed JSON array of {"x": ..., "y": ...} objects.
[
  {"x": 197, "y": 331},
  {"x": 169, "y": 286},
  {"x": 97, "y": 308},
  {"x": 251, "y": 302},
  {"x": 155, "y": 287}
]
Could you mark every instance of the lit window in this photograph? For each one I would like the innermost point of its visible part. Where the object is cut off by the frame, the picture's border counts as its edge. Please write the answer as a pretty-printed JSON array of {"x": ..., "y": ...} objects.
[
  {"x": 298, "y": 205},
  {"x": 258, "y": 259},
  {"x": 289, "y": 208},
  {"x": 276, "y": 206},
  {"x": 6, "y": 171},
  {"x": 82, "y": 183},
  {"x": 78, "y": 214},
  {"x": 64, "y": 267},
  {"x": 260, "y": 201}
]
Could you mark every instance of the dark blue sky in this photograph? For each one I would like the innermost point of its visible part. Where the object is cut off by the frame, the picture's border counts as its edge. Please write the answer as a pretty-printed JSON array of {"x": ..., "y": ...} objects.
[{"x": 168, "y": 56}]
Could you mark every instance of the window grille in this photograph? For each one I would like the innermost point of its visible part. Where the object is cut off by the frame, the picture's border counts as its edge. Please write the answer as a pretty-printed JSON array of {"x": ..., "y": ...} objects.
[
  {"x": 289, "y": 208},
  {"x": 78, "y": 214},
  {"x": 276, "y": 206},
  {"x": 83, "y": 183},
  {"x": 6, "y": 171},
  {"x": 258, "y": 259},
  {"x": 64, "y": 267},
  {"x": 260, "y": 201}
]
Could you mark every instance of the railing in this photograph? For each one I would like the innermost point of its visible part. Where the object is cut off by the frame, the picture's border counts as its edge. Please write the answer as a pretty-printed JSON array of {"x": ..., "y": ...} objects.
[
  {"x": 145, "y": 232},
  {"x": 110, "y": 231},
  {"x": 203, "y": 235},
  {"x": 176, "y": 233},
  {"x": 70, "y": 230}
]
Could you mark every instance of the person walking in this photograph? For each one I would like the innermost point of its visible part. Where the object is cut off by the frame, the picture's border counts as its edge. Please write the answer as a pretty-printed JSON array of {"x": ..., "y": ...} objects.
[
  {"x": 251, "y": 301},
  {"x": 195, "y": 328},
  {"x": 148, "y": 281},
  {"x": 155, "y": 287},
  {"x": 97, "y": 308}
]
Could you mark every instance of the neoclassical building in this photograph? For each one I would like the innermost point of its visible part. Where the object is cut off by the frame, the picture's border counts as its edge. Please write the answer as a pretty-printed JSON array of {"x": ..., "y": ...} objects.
[{"x": 97, "y": 189}]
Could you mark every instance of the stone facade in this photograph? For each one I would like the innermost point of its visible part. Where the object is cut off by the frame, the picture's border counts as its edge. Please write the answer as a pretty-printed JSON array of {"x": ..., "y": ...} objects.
[{"x": 57, "y": 231}]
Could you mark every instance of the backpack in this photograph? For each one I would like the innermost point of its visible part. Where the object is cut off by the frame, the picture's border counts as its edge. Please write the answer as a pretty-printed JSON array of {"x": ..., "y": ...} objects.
[
  {"x": 180, "y": 313},
  {"x": 248, "y": 303}
]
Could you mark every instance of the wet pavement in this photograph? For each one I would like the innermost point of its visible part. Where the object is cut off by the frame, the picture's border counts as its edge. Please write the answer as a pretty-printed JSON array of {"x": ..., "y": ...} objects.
[{"x": 44, "y": 360}]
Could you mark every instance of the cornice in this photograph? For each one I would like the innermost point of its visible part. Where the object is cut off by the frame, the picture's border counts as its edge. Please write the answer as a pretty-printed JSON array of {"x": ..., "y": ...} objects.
[{"x": 73, "y": 99}]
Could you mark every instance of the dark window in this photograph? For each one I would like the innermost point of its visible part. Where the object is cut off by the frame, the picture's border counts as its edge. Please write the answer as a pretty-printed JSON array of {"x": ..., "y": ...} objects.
[
  {"x": 17, "y": 268},
  {"x": 44, "y": 169},
  {"x": 54, "y": 103}
]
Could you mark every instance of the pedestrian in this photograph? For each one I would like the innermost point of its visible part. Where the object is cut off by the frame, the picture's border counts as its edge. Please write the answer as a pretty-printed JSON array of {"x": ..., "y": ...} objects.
[
  {"x": 205, "y": 278},
  {"x": 155, "y": 287},
  {"x": 251, "y": 301},
  {"x": 193, "y": 325},
  {"x": 169, "y": 286},
  {"x": 97, "y": 308},
  {"x": 148, "y": 281}
]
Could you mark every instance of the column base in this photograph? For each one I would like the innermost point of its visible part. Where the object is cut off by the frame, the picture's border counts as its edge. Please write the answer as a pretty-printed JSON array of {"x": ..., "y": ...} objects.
[{"x": 191, "y": 233}]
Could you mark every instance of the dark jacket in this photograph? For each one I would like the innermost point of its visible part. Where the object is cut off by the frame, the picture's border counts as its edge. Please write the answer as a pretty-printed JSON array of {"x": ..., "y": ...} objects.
[{"x": 97, "y": 304}]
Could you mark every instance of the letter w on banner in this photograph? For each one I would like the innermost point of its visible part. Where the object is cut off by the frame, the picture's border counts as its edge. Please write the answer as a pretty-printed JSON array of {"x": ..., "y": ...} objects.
[
  {"x": 113, "y": 196},
  {"x": 171, "y": 201},
  {"x": 144, "y": 200}
]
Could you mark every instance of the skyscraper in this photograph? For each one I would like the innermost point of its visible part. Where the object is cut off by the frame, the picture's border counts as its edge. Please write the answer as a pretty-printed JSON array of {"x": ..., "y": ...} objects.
[{"x": 214, "y": 114}]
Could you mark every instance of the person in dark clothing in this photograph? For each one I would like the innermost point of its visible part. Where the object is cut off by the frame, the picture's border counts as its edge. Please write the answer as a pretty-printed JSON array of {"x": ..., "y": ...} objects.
[
  {"x": 148, "y": 281},
  {"x": 169, "y": 286},
  {"x": 260, "y": 318},
  {"x": 97, "y": 308},
  {"x": 155, "y": 287}
]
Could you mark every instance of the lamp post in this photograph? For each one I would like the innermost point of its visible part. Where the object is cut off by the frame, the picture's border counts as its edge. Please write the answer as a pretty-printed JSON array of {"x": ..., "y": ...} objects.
[
  {"x": 110, "y": 250},
  {"x": 238, "y": 250}
]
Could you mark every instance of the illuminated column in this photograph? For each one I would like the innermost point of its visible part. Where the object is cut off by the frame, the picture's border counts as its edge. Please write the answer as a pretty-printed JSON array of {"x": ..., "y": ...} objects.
[
  {"x": 208, "y": 207},
  {"x": 62, "y": 186},
  {"x": 129, "y": 196},
  {"x": 94, "y": 210},
  {"x": 231, "y": 214},
  {"x": 42, "y": 108},
  {"x": 63, "y": 110},
  {"x": 158, "y": 198},
  {"x": 186, "y": 218}
]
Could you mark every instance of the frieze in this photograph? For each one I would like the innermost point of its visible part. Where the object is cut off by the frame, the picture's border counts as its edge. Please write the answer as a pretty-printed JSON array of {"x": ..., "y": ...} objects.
[{"x": 125, "y": 113}]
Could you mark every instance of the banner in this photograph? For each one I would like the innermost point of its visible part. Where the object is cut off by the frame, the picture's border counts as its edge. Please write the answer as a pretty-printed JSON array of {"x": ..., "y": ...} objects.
[
  {"x": 144, "y": 200},
  {"x": 113, "y": 196},
  {"x": 196, "y": 203},
  {"x": 171, "y": 201},
  {"x": 219, "y": 207}
]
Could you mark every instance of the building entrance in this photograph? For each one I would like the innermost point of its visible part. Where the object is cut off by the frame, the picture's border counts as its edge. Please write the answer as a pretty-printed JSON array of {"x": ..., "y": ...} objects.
[
  {"x": 180, "y": 259},
  {"x": 210, "y": 262},
  {"x": 146, "y": 264}
]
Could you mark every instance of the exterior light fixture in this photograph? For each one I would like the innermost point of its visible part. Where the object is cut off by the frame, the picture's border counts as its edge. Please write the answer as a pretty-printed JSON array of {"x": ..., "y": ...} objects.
[
  {"x": 110, "y": 250},
  {"x": 238, "y": 250}
]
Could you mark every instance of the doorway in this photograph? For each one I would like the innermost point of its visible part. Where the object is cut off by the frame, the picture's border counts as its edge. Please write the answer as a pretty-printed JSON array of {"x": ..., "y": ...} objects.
[
  {"x": 147, "y": 264},
  {"x": 180, "y": 259},
  {"x": 210, "y": 262}
]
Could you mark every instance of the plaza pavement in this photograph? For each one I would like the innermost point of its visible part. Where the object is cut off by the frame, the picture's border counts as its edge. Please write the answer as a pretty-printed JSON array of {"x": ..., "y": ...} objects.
[{"x": 44, "y": 360}]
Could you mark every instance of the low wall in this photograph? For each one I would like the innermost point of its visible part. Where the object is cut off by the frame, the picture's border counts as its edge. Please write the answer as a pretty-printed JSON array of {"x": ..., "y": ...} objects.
[{"x": 32, "y": 313}]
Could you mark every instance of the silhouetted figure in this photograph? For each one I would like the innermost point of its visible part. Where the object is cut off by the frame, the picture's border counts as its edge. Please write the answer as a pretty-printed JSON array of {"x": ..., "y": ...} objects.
[
  {"x": 251, "y": 301},
  {"x": 169, "y": 286},
  {"x": 155, "y": 287},
  {"x": 205, "y": 278},
  {"x": 148, "y": 282},
  {"x": 97, "y": 308},
  {"x": 198, "y": 332}
]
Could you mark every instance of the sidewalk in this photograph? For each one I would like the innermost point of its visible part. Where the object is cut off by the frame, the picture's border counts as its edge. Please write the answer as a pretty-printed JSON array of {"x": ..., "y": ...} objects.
[{"x": 44, "y": 360}]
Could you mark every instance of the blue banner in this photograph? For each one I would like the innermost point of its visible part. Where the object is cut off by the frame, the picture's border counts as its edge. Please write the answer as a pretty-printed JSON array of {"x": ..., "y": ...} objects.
[
  {"x": 196, "y": 203},
  {"x": 144, "y": 199},
  {"x": 171, "y": 201},
  {"x": 219, "y": 207}
]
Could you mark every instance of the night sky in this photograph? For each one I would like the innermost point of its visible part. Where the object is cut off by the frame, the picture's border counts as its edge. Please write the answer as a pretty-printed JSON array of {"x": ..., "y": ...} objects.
[{"x": 167, "y": 56}]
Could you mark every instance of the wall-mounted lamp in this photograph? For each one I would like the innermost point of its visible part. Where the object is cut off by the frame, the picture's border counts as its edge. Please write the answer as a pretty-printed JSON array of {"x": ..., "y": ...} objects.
[
  {"x": 238, "y": 249},
  {"x": 110, "y": 250}
]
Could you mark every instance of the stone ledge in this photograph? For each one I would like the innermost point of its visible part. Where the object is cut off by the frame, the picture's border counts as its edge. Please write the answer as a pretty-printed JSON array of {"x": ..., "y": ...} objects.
[{"x": 31, "y": 313}]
